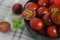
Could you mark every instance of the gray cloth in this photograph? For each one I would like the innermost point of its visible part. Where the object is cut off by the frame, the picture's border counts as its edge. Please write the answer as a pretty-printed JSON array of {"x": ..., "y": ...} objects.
[{"x": 6, "y": 12}]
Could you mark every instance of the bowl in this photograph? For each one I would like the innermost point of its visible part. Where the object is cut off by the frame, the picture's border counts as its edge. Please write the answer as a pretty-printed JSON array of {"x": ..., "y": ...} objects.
[{"x": 34, "y": 34}]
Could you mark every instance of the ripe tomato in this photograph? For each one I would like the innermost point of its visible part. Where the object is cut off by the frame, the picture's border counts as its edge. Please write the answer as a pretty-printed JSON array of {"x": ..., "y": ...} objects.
[
  {"x": 53, "y": 8},
  {"x": 55, "y": 17},
  {"x": 51, "y": 1},
  {"x": 28, "y": 14},
  {"x": 46, "y": 19},
  {"x": 4, "y": 27},
  {"x": 17, "y": 8},
  {"x": 51, "y": 31},
  {"x": 57, "y": 2},
  {"x": 31, "y": 5},
  {"x": 42, "y": 2},
  {"x": 36, "y": 24},
  {"x": 42, "y": 10}
]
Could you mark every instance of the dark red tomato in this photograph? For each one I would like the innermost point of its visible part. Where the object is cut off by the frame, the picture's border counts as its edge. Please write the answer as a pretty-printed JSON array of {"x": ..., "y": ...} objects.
[
  {"x": 51, "y": 1},
  {"x": 17, "y": 8},
  {"x": 42, "y": 2},
  {"x": 46, "y": 19},
  {"x": 36, "y": 24},
  {"x": 31, "y": 5},
  {"x": 57, "y": 2},
  {"x": 42, "y": 10},
  {"x": 52, "y": 31},
  {"x": 55, "y": 17},
  {"x": 28, "y": 14},
  {"x": 5, "y": 27},
  {"x": 53, "y": 8}
]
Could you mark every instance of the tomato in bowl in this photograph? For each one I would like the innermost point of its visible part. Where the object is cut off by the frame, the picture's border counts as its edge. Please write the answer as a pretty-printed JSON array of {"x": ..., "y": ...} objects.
[{"x": 34, "y": 29}]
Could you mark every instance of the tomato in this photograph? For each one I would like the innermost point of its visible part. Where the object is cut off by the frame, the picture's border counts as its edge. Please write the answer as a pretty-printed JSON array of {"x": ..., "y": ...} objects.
[
  {"x": 42, "y": 10},
  {"x": 17, "y": 8},
  {"x": 52, "y": 31},
  {"x": 42, "y": 2},
  {"x": 53, "y": 8},
  {"x": 31, "y": 5},
  {"x": 5, "y": 27},
  {"x": 57, "y": 3},
  {"x": 51, "y": 1},
  {"x": 46, "y": 19},
  {"x": 36, "y": 24},
  {"x": 28, "y": 14},
  {"x": 55, "y": 17}
]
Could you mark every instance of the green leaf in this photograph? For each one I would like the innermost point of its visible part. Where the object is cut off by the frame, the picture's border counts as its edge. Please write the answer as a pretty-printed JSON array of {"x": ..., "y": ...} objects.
[
  {"x": 15, "y": 25},
  {"x": 19, "y": 19},
  {"x": 19, "y": 26},
  {"x": 14, "y": 20}
]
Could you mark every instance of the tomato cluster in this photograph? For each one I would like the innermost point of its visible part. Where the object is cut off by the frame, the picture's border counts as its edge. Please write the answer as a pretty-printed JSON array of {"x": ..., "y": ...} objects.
[{"x": 43, "y": 16}]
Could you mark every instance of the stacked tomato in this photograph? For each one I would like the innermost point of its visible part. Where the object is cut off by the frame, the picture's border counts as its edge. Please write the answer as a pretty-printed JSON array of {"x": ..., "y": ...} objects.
[{"x": 43, "y": 17}]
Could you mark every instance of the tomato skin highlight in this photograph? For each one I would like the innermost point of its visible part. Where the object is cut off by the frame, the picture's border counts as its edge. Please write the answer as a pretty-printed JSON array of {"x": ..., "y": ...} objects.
[
  {"x": 36, "y": 24},
  {"x": 52, "y": 31},
  {"x": 31, "y": 5}
]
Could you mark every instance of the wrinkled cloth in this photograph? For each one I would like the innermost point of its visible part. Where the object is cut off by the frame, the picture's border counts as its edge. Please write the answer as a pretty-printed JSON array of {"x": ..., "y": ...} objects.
[{"x": 14, "y": 34}]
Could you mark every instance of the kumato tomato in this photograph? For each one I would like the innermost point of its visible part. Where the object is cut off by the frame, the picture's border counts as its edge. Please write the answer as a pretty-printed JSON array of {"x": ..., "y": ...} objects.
[
  {"x": 52, "y": 31},
  {"x": 57, "y": 3},
  {"x": 31, "y": 5},
  {"x": 46, "y": 19},
  {"x": 53, "y": 8},
  {"x": 42, "y": 3},
  {"x": 17, "y": 8},
  {"x": 5, "y": 27},
  {"x": 36, "y": 24},
  {"x": 42, "y": 10},
  {"x": 55, "y": 17},
  {"x": 28, "y": 14},
  {"x": 51, "y": 1}
]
